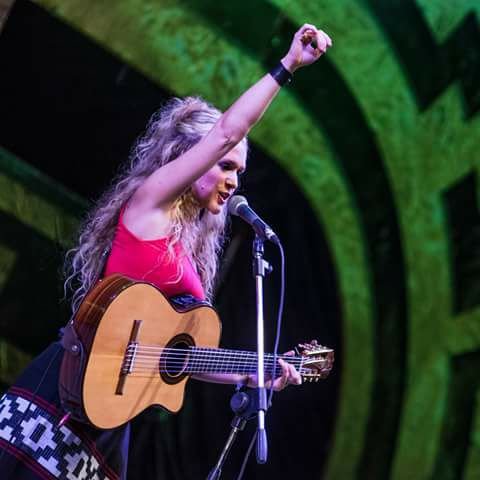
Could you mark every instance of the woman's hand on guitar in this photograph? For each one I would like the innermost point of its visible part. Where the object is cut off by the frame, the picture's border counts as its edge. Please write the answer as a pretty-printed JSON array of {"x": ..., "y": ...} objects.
[{"x": 289, "y": 376}]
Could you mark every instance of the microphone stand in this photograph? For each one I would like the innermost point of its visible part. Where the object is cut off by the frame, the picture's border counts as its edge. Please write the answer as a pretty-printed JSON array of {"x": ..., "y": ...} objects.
[
  {"x": 247, "y": 404},
  {"x": 260, "y": 268}
]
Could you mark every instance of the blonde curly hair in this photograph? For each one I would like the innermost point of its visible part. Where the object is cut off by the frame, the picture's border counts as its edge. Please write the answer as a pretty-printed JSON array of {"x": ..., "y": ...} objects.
[{"x": 171, "y": 131}]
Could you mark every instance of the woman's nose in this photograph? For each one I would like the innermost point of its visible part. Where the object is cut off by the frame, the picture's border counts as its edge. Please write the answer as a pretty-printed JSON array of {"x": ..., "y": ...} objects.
[{"x": 232, "y": 182}]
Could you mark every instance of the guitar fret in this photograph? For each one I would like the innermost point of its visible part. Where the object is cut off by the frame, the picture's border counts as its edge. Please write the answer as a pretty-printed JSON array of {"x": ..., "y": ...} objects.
[{"x": 191, "y": 362}]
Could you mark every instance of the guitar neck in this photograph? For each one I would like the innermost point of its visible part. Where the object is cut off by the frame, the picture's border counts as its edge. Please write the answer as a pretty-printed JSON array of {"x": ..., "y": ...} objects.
[{"x": 217, "y": 360}]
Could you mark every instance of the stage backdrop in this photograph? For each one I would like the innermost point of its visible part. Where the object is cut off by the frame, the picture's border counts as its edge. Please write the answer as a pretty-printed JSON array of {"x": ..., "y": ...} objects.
[{"x": 366, "y": 165}]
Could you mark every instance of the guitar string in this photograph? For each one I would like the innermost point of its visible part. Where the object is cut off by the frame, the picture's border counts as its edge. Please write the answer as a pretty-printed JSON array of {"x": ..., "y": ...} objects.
[
  {"x": 181, "y": 360},
  {"x": 209, "y": 359},
  {"x": 205, "y": 361},
  {"x": 194, "y": 347},
  {"x": 184, "y": 374},
  {"x": 171, "y": 359},
  {"x": 211, "y": 365},
  {"x": 303, "y": 371},
  {"x": 199, "y": 370},
  {"x": 209, "y": 352},
  {"x": 218, "y": 351},
  {"x": 200, "y": 353},
  {"x": 209, "y": 355},
  {"x": 154, "y": 371},
  {"x": 151, "y": 376},
  {"x": 200, "y": 356},
  {"x": 145, "y": 347},
  {"x": 154, "y": 374},
  {"x": 202, "y": 365}
]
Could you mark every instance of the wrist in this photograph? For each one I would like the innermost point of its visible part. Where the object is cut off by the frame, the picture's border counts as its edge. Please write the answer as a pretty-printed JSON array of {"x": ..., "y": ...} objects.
[
  {"x": 242, "y": 381},
  {"x": 289, "y": 64},
  {"x": 281, "y": 75}
]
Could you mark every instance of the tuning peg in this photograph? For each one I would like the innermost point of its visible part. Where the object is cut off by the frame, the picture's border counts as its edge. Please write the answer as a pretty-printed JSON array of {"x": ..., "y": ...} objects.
[{"x": 305, "y": 347}]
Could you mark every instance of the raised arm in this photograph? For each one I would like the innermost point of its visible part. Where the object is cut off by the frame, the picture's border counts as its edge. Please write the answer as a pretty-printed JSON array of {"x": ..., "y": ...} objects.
[{"x": 169, "y": 181}]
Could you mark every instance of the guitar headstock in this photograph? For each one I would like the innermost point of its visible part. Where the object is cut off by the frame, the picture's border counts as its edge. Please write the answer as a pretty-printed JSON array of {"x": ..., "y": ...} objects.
[{"x": 318, "y": 361}]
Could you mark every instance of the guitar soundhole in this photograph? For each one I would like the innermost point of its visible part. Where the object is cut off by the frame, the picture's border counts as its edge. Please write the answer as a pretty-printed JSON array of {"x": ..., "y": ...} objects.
[{"x": 174, "y": 361}]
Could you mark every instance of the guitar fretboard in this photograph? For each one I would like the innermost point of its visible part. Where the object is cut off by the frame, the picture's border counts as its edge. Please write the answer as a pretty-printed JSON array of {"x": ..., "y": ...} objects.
[{"x": 210, "y": 360}]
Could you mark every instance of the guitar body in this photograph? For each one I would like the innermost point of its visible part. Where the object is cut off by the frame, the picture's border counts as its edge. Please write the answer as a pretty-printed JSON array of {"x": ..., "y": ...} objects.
[{"x": 116, "y": 309}]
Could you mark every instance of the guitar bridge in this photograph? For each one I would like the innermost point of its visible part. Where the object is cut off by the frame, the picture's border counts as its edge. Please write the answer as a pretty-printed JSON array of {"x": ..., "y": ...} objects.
[{"x": 129, "y": 357}]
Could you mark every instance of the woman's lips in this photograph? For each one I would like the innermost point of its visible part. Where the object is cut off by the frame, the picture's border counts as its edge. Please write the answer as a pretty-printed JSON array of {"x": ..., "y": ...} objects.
[{"x": 222, "y": 197}]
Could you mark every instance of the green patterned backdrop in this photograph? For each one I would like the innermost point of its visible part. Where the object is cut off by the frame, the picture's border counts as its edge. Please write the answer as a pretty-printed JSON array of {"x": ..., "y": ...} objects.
[{"x": 382, "y": 137}]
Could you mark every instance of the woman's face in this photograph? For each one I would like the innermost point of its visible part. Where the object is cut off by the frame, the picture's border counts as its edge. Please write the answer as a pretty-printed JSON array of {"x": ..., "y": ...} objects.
[{"x": 215, "y": 187}]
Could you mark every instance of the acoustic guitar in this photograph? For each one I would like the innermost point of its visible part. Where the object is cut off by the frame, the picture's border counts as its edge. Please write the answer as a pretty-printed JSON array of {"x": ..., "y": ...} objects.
[{"x": 130, "y": 348}]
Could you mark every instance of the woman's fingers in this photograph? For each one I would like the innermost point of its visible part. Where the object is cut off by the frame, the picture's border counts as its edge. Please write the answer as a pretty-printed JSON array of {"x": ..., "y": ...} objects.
[
  {"x": 316, "y": 39},
  {"x": 308, "y": 45},
  {"x": 282, "y": 381},
  {"x": 308, "y": 35},
  {"x": 296, "y": 378},
  {"x": 329, "y": 40},
  {"x": 325, "y": 40},
  {"x": 308, "y": 32},
  {"x": 293, "y": 376},
  {"x": 289, "y": 376},
  {"x": 305, "y": 27},
  {"x": 321, "y": 42}
]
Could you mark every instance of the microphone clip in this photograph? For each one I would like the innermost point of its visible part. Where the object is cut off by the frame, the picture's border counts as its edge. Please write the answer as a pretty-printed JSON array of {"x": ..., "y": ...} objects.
[{"x": 260, "y": 265}]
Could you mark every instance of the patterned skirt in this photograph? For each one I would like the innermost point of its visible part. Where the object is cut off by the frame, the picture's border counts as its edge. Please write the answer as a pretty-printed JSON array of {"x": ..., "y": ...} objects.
[{"x": 32, "y": 444}]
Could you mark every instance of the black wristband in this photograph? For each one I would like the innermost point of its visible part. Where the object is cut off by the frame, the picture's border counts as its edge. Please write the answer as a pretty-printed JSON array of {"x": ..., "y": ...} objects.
[{"x": 281, "y": 74}]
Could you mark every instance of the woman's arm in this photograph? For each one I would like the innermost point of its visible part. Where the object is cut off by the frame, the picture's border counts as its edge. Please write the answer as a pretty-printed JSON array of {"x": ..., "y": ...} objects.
[{"x": 169, "y": 181}]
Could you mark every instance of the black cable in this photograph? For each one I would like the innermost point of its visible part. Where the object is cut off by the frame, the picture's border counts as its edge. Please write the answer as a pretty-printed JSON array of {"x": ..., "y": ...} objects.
[
  {"x": 247, "y": 456},
  {"x": 279, "y": 321}
]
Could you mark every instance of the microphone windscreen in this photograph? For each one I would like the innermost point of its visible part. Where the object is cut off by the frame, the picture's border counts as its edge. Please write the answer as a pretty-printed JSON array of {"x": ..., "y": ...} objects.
[{"x": 235, "y": 202}]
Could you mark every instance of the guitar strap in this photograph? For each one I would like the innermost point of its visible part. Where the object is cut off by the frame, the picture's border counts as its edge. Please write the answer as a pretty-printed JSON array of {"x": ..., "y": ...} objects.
[
  {"x": 71, "y": 373},
  {"x": 73, "y": 365}
]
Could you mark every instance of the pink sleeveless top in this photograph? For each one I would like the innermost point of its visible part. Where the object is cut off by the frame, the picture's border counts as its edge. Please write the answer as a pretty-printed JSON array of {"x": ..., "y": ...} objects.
[{"x": 148, "y": 260}]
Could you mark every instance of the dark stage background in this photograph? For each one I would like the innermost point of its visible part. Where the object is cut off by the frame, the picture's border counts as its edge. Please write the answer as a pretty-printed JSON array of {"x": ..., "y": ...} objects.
[{"x": 366, "y": 166}]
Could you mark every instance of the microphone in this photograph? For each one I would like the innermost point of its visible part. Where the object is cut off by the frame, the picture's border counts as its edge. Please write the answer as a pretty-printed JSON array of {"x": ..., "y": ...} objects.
[{"x": 238, "y": 205}]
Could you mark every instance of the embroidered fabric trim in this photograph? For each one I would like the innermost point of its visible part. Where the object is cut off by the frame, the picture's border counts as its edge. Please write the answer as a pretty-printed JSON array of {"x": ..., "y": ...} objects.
[{"x": 59, "y": 451}]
